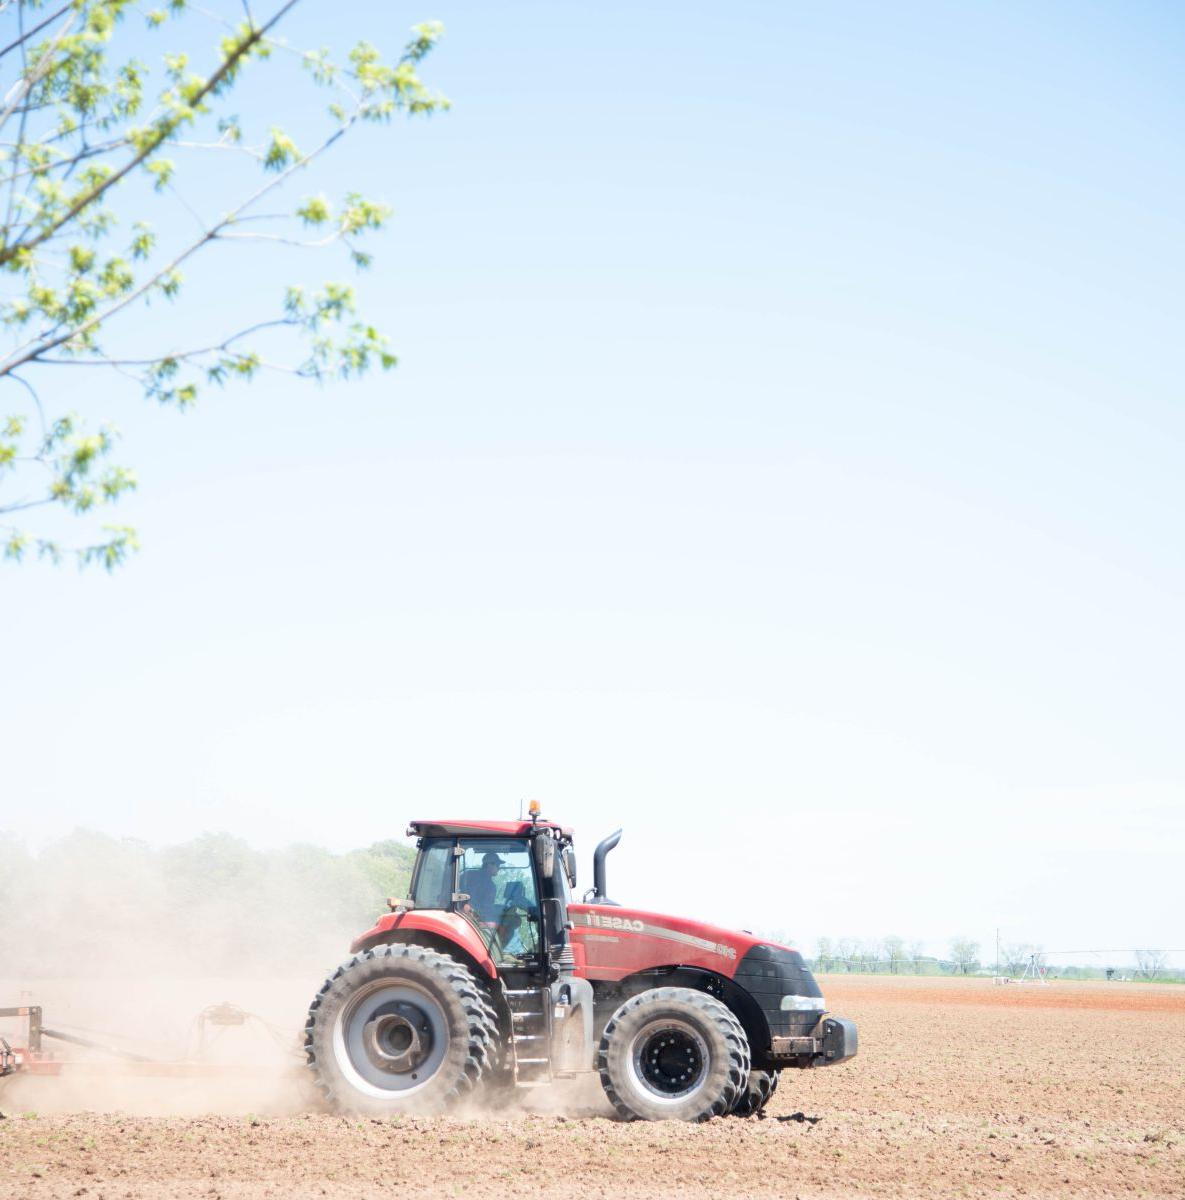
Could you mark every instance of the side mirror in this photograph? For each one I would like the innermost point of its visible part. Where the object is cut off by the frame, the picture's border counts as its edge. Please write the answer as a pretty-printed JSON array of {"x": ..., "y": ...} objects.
[
  {"x": 545, "y": 856},
  {"x": 570, "y": 866}
]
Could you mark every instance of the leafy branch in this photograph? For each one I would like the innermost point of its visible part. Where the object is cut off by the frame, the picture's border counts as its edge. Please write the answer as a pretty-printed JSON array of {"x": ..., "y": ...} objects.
[{"x": 80, "y": 249}]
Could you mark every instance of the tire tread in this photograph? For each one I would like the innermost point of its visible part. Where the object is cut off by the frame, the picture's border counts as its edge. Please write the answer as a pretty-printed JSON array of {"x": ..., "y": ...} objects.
[
  {"x": 481, "y": 1022},
  {"x": 715, "y": 1013}
]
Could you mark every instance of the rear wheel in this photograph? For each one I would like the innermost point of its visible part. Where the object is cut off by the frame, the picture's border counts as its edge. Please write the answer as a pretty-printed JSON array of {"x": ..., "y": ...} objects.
[
  {"x": 673, "y": 1054},
  {"x": 756, "y": 1094},
  {"x": 400, "y": 1029}
]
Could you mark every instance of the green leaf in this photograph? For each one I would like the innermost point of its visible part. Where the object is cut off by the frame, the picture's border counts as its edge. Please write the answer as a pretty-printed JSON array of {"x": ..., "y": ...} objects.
[
  {"x": 315, "y": 211},
  {"x": 16, "y": 545},
  {"x": 161, "y": 169},
  {"x": 281, "y": 151},
  {"x": 143, "y": 241}
]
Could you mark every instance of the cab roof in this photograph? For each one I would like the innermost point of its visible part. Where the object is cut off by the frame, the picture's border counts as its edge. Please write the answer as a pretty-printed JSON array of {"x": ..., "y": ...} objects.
[{"x": 463, "y": 828}]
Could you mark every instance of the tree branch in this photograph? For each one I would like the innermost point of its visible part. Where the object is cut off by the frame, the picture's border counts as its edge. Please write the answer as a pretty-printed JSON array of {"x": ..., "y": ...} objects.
[
  {"x": 36, "y": 400},
  {"x": 32, "y": 352},
  {"x": 303, "y": 243},
  {"x": 25, "y": 35},
  {"x": 166, "y": 128},
  {"x": 40, "y": 70},
  {"x": 179, "y": 355}
]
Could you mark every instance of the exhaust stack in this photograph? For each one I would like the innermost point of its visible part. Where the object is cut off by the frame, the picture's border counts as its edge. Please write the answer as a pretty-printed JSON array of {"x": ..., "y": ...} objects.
[{"x": 599, "y": 895}]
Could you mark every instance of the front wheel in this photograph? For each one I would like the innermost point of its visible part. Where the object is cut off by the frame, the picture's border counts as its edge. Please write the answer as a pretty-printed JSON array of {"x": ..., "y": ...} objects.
[
  {"x": 399, "y": 1029},
  {"x": 673, "y": 1054}
]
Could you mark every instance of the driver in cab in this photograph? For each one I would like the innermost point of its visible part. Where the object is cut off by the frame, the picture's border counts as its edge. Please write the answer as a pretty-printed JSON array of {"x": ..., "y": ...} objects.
[
  {"x": 503, "y": 918},
  {"x": 483, "y": 892}
]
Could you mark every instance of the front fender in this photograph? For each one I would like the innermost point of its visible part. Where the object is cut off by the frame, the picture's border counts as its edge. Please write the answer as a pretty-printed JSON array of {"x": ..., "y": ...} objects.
[{"x": 437, "y": 926}]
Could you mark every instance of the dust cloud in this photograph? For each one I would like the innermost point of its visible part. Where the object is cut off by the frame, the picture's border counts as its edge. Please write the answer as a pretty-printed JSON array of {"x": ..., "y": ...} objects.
[
  {"x": 152, "y": 951},
  {"x": 136, "y": 948}
]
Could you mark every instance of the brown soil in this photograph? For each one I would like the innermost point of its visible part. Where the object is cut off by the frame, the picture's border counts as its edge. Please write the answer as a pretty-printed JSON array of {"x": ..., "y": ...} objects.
[
  {"x": 1111, "y": 997},
  {"x": 960, "y": 1088}
]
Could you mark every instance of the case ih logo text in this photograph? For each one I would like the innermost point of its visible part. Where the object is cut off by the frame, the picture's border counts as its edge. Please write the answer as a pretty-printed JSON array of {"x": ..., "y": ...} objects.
[
  {"x": 661, "y": 931},
  {"x": 614, "y": 922}
]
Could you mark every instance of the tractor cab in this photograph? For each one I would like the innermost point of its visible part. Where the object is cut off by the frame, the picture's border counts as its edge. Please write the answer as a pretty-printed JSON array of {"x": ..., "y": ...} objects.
[{"x": 510, "y": 880}]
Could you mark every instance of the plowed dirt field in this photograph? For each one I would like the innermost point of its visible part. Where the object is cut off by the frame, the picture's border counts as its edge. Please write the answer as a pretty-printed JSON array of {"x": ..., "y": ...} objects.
[{"x": 960, "y": 1089}]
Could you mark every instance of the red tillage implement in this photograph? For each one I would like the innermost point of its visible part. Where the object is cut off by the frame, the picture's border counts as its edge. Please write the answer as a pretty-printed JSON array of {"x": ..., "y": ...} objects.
[{"x": 30, "y": 1056}]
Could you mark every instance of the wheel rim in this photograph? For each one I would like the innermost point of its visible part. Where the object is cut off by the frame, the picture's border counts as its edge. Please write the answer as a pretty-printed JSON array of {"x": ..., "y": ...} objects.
[
  {"x": 669, "y": 1060},
  {"x": 390, "y": 1038}
]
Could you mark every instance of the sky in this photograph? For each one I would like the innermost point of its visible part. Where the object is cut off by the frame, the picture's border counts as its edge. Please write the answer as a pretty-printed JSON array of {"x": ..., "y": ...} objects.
[{"x": 784, "y": 464}]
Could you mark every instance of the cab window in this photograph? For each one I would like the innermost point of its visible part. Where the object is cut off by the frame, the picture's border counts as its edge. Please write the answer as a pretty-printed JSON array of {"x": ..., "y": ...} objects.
[
  {"x": 503, "y": 902},
  {"x": 433, "y": 884}
]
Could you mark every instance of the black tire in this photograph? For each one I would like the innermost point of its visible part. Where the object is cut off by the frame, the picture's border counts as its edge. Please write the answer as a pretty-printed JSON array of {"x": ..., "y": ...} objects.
[
  {"x": 757, "y": 1094},
  {"x": 400, "y": 1029},
  {"x": 673, "y": 1054}
]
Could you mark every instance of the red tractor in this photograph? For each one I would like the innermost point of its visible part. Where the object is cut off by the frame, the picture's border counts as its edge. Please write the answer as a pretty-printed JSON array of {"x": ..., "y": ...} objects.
[{"x": 489, "y": 976}]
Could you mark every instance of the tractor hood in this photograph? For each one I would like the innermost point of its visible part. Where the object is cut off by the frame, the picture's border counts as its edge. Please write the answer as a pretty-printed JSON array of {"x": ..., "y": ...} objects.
[
  {"x": 612, "y": 918},
  {"x": 619, "y": 941}
]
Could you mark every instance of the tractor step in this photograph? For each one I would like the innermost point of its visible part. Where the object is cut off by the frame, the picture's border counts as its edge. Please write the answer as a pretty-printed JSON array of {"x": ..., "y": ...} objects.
[{"x": 530, "y": 1034}]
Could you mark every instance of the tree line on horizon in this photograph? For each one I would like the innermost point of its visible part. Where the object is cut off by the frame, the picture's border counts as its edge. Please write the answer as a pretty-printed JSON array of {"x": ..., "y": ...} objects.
[{"x": 895, "y": 956}]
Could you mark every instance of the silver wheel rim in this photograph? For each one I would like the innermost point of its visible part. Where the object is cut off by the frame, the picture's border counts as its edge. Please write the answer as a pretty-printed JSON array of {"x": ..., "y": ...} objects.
[
  {"x": 390, "y": 1038},
  {"x": 669, "y": 1060}
]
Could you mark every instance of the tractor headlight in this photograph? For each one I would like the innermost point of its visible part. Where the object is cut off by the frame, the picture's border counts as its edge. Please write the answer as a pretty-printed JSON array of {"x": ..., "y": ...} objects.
[{"x": 803, "y": 1004}]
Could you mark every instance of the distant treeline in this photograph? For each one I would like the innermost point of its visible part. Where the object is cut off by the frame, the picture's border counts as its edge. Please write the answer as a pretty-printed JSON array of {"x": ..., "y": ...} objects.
[
  {"x": 896, "y": 956},
  {"x": 93, "y": 904},
  {"x": 942, "y": 966}
]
